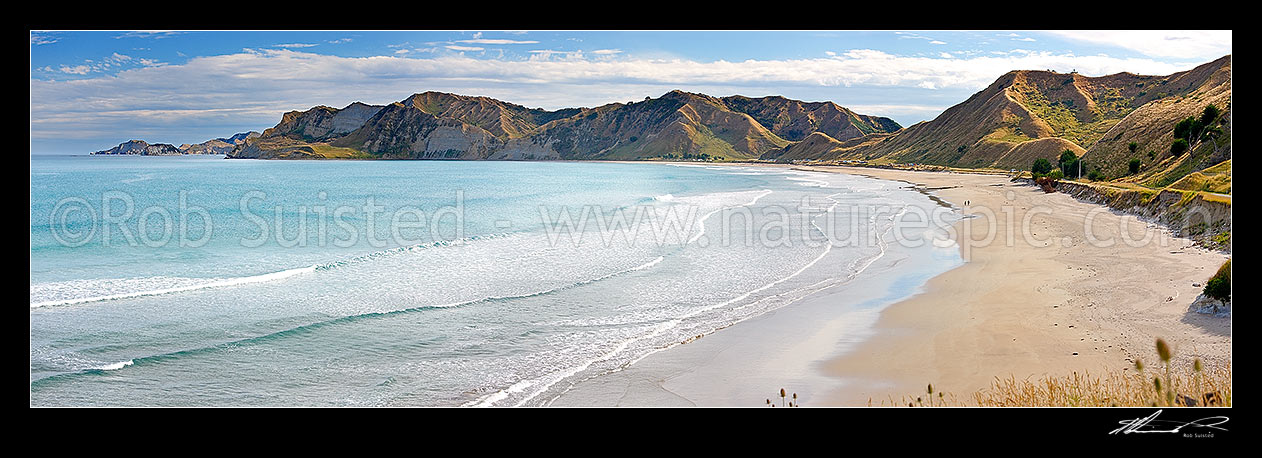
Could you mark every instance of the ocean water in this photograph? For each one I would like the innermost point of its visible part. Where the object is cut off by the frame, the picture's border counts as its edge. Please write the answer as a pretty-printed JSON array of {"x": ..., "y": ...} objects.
[{"x": 200, "y": 281}]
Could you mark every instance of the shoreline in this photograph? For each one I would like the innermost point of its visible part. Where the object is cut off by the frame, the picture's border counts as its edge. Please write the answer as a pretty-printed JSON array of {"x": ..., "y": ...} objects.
[{"x": 1051, "y": 306}]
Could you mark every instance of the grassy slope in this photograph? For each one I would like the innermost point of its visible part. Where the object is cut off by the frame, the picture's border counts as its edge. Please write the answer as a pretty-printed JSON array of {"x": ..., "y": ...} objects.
[
  {"x": 1026, "y": 115},
  {"x": 1151, "y": 128},
  {"x": 1216, "y": 179}
]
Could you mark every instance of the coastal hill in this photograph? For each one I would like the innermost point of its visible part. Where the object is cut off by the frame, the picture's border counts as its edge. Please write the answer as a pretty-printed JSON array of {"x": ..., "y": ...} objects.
[
  {"x": 794, "y": 120},
  {"x": 218, "y": 145},
  {"x": 214, "y": 146},
  {"x": 1025, "y": 115},
  {"x": 1150, "y": 127},
  {"x": 143, "y": 148},
  {"x": 677, "y": 125}
]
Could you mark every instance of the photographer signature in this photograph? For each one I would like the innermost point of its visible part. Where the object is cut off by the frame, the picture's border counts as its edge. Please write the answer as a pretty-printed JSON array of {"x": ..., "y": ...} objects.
[{"x": 1150, "y": 424}]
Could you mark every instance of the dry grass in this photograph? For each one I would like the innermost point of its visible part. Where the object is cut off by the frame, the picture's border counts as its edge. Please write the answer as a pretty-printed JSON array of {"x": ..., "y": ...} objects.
[
  {"x": 1216, "y": 179},
  {"x": 1113, "y": 389},
  {"x": 1186, "y": 383}
]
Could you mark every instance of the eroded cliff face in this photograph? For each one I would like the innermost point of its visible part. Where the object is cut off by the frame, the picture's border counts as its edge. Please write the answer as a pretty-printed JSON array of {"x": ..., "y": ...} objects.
[
  {"x": 322, "y": 123},
  {"x": 405, "y": 131}
]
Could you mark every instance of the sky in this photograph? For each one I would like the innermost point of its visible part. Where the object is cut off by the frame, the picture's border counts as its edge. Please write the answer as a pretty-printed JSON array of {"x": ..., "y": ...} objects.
[{"x": 91, "y": 90}]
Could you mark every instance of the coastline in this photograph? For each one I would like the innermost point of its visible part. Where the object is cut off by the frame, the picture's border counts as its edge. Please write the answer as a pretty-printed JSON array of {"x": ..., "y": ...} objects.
[{"x": 1050, "y": 306}]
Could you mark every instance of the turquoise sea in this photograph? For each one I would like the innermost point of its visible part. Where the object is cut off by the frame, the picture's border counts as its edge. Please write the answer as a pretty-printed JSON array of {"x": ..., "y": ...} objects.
[{"x": 201, "y": 281}]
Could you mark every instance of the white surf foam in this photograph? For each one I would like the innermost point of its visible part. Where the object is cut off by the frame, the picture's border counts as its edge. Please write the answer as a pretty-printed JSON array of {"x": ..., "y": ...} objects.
[
  {"x": 116, "y": 366},
  {"x": 183, "y": 284}
]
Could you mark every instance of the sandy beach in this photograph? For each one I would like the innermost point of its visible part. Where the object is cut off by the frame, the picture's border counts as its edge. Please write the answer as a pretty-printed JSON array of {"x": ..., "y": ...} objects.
[{"x": 1040, "y": 299}]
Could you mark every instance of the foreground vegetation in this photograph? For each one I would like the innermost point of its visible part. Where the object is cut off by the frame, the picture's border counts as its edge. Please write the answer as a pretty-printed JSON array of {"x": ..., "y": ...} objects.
[{"x": 1174, "y": 383}]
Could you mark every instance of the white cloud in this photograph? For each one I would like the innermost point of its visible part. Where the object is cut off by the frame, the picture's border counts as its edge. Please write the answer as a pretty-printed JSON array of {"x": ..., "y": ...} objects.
[
  {"x": 547, "y": 54},
  {"x": 107, "y": 63},
  {"x": 1182, "y": 44},
  {"x": 297, "y": 45},
  {"x": 155, "y": 34},
  {"x": 38, "y": 38},
  {"x": 946, "y": 55},
  {"x": 910, "y": 35},
  {"x": 497, "y": 41},
  {"x": 464, "y": 48},
  {"x": 1023, "y": 39},
  {"x": 607, "y": 51},
  {"x": 76, "y": 70}
]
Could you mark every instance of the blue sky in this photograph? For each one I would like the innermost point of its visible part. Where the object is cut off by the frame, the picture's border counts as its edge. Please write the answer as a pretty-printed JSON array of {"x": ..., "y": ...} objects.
[{"x": 91, "y": 90}]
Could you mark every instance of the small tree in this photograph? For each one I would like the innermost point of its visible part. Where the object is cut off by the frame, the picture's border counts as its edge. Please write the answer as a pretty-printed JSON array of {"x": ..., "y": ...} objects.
[
  {"x": 1189, "y": 129},
  {"x": 1069, "y": 164},
  {"x": 1041, "y": 167},
  {"x": 1132, "y": 146},
  {"x": 1209, "y": 115},
  {"x": 1067, "y": 157},
  {"x": 1075, "y": 168},
  {"x": 1178, "y": 147},
  {"x": 1133, "y": 166},
  {"x": 1096, "y": 174}
]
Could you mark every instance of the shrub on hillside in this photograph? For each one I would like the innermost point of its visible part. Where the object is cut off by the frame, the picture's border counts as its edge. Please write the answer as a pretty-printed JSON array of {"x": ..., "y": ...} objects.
[
  {"x": 1219, "y": 286},
  {"x": 1188, "y": 129},
  {"x": 1178, "y": 147},
  {"x": 1209, "y": 115},
  {"x": 1133, "y": 166}
]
